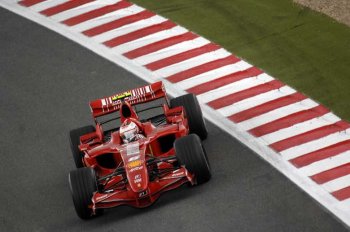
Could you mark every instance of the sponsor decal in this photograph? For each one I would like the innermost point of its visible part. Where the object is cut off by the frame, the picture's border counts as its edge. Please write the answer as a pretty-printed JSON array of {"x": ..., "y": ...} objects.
[
  {"x": 132, "y": 149},
  {"x": 142, "y": 194},
  {"x": 177, "y": 174},
  {"x": 134, "y": 163},
  {"x": 133, "y": 158},
  {"x": 137, "y": 179},
  {"x": 136, "y": 168},
  {"x": 121, "y": 96}
]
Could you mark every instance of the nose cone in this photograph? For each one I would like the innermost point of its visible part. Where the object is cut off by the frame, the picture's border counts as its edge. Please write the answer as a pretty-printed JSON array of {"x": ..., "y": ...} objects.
[
  {"x": 137, "y": 175},
  {"x": 135, "y": 167}
]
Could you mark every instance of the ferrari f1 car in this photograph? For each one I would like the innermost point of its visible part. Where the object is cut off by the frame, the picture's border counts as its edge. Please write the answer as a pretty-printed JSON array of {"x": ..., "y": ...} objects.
[{"x": 137, "y": 158}]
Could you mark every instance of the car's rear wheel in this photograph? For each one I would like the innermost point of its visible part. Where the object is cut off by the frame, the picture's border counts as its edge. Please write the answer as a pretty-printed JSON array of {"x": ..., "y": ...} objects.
[
  {"x": 190, "y": 153},
  {"x": 82, "y": 183},
  {"x": 74, "y": 136},
  {"x": 193, "y": 112}
]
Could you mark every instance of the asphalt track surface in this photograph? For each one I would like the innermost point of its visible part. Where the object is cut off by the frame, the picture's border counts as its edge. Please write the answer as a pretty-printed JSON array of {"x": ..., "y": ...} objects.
[{"x": 46, "y": 82}]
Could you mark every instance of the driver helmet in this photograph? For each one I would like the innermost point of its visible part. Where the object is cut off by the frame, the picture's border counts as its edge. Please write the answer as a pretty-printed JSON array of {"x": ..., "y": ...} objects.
[{"x": 128, "y": 131}]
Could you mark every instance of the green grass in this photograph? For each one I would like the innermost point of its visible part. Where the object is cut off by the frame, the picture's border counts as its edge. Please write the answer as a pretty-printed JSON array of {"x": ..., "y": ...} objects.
[{"x": 305, "y": 49}]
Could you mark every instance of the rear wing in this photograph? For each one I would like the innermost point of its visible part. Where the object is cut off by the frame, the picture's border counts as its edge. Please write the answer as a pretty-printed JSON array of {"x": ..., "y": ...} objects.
[{"x": 136, "y": 96}]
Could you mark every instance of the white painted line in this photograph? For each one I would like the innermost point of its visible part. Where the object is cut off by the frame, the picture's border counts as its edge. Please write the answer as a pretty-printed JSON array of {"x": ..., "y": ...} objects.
[
  {"x": 337, "y": 184},
  {"x": 46, "y": 5},
  {"x": 213, "y": 74},
  {"x": 193, "y": 62},
  {"x": 171, "y": 50},
  {"x": 300, "y": 128},
  {"x": 98, "y": 21},
  {"x": 235, "y": 86},
  {"x": 344, "y": 205},
  {"x": 256, "y": 101},
  {"x": 82, "y": 9},
  {"x": 126, "y": 47},
  {"x": 277, "y": 114},
  {"x": 315, "y": 145},
  {"x": 326, "y": 164},
  {"x": 330, "y": 203},
  {"x": 129, "y": 28}
]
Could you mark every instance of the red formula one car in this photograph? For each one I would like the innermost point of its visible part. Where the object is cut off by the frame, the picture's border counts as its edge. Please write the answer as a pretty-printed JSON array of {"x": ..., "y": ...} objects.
[{"x": 141, "y": 146}]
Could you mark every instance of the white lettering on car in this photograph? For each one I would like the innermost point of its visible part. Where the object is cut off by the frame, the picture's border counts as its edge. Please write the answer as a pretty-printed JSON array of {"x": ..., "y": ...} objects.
[
  {"x": 133, "y": 158},
  {"x": 136, "y": 168},
  {"x": 137, "y": 178}
]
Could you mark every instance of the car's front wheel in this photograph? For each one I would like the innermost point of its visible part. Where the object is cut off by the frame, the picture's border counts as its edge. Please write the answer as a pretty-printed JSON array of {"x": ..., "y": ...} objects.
[
  {"x": 191, "y": 154},
  {"x": 83, "y": 184}
]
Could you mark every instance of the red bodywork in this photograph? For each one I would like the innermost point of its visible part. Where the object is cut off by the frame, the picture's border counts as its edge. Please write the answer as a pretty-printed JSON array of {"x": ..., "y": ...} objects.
[{"x": 136, "y": 173}]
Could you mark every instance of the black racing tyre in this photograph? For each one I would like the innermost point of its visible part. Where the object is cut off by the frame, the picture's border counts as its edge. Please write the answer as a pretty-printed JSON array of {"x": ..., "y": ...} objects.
[
  {"x": 74, "y": 136},
  {"x": 82, "y": 183},
  {"x": 190, "y": 153},
  {"x": 193, "y": 113}
]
